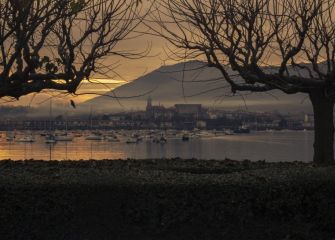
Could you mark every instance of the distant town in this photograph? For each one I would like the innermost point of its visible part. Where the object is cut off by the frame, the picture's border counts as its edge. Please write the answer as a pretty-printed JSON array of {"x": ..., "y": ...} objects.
[{"x": 180, "y": 117}]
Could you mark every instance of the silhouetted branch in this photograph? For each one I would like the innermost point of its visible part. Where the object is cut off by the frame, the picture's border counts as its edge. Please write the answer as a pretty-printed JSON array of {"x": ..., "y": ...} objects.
[
  {"x": 57, "y": 44},
  {"x": 241, "y": 37}
]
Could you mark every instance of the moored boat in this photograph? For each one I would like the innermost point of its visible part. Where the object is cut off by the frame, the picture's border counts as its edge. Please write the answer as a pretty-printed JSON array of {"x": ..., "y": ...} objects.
[
  {"x": 26, "y": 139},
  {"x": 64, "y": 138},
  {"x": 50, "y": 139},
  {"x": 111, "y": 137},
  {"x": 242, "y": 130},
  {"x": 162, "y": 140},
  {"x": 132, "y": 140},
  {"x": 10, "y": 136},
  {"x": 229, "y": 132},
  {"x": 94, "y": 137},
  {"x": 185, "y": 137}
]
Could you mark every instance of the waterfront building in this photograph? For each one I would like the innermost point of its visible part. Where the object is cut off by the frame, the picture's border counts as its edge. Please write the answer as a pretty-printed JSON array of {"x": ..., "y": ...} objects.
[{"x": 189, "y": 110}]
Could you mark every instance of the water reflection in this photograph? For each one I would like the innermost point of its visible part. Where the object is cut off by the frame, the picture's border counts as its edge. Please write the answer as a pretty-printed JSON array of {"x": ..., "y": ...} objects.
[{"x": 270, "y": 146}]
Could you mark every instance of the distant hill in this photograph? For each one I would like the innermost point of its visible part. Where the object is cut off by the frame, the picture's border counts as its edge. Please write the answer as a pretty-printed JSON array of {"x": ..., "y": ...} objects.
[{"x": 194, "y": 82}]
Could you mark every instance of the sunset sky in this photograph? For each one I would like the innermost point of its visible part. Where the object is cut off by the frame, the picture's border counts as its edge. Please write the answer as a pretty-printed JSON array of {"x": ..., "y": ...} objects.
[{"x": 126, "y": 70}]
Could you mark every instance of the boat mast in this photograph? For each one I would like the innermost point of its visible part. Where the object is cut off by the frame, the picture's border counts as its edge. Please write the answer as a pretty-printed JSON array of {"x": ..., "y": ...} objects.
[
  {"x": 66, "y": 122},
  {"x": 91, "y": 120},
  {"x": 50, "y": 116}
]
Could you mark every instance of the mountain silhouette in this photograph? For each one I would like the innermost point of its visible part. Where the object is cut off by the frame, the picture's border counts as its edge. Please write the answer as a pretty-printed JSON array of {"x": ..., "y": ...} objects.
[{"x": 194, "y": 82}]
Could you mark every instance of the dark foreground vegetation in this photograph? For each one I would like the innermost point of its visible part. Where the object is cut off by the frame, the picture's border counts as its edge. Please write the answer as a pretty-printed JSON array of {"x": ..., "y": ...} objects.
[{"x": 166, "y": 199}]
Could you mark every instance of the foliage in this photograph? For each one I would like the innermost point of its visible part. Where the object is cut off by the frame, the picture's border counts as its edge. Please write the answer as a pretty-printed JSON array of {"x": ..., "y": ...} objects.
[{"x": 166, "y": 199}]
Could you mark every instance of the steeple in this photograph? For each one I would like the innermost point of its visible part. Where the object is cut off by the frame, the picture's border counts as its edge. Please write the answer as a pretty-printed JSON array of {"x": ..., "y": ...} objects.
[{"x": 149, "y": 103}]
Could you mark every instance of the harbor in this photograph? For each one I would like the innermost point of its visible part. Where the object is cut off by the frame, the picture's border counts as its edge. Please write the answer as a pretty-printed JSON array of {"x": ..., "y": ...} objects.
[{"x": 272, "y": 146}]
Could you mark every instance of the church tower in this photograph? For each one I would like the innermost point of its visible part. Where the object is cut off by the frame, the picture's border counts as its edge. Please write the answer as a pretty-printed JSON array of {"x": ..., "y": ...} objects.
[
  {"x": 149, "y": 109},
  {"x": 149, "y": 104}
]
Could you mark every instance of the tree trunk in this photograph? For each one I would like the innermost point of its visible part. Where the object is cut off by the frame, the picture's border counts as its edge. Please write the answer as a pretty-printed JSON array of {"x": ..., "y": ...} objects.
[{"x": 324, "y": 128}]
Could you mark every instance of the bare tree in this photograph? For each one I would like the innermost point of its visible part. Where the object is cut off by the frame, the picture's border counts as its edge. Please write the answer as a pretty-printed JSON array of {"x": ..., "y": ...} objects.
[
  {"x": 57, "y": 44},
  {"x": 286, "y": 45}
]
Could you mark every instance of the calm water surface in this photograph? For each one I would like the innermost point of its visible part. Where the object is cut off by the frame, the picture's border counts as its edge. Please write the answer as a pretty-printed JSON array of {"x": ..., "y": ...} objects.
[{"x": 269, "y": 146}]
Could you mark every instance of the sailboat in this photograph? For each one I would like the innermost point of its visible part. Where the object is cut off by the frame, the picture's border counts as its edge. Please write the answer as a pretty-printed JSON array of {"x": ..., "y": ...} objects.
[
  {"x": 64, "y": 137},
  {"x": 27, "y": 138},
  {"x": 94, "y": 136},
  {"x": 10, "y": 136},
  {"x": 112, "y": 137},
  {"x": 50, "y": 137}
]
